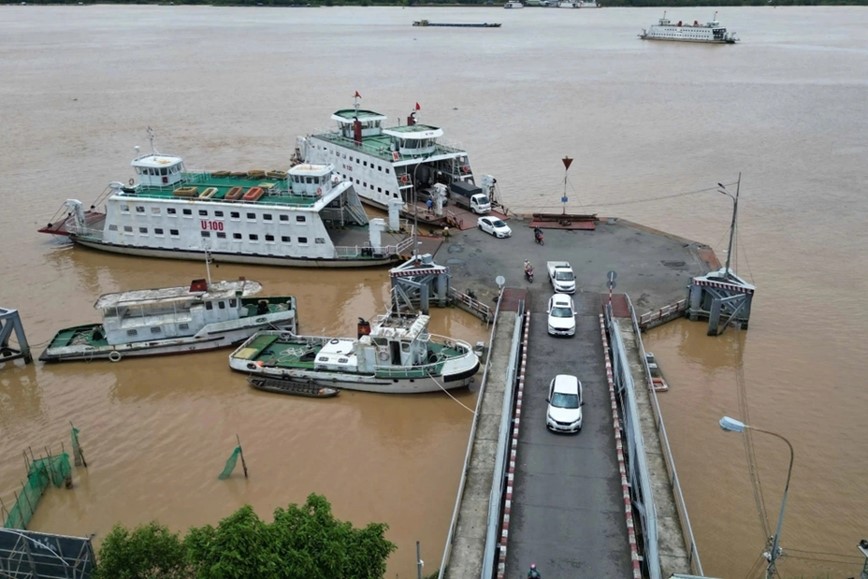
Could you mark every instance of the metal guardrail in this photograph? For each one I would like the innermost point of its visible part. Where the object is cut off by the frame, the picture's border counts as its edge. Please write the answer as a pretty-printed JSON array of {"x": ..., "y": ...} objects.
[
  {"x": 453, "y": 523},
  {"x": 680, "y": 503},
  {"x": 666, "y": 313},
  {"x": 471, "y": 304}
]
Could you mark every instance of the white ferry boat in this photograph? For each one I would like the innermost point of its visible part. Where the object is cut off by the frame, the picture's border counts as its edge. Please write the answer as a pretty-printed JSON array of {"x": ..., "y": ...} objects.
[
  {"x": 513, "y": 4},
  {"x": 577, "y": 4},
  {"x": 307, "y": 216},
  {"x": 710, "y": 32},
  {"x": 398, "y": 164},
  {"x": 172, "y": 320},
  {"x": 394, "y": 354}
]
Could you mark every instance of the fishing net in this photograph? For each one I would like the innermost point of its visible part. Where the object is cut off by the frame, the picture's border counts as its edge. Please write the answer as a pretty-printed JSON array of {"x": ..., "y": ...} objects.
[{"x": 54, "y": 470}]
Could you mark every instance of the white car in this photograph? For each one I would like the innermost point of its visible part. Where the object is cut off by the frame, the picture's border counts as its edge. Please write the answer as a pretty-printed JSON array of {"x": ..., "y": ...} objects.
[
  {"x": 564, "y": 413},
  {"x": 494, "y": 226},
  {"x": 562, "y": 315}
]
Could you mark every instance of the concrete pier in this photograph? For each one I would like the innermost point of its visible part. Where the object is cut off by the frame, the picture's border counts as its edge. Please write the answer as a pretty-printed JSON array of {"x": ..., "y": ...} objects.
[{"x": 495, "y": 530}]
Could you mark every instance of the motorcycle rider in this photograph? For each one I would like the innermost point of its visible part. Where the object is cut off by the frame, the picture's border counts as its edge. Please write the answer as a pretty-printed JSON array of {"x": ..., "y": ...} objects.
[
  {"x": 533, "y": 573},
  {"x": 538, "y": 235},
  {"x": 528, "y": 270}
]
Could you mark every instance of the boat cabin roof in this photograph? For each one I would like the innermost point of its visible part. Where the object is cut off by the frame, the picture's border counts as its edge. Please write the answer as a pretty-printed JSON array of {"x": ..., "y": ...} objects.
[
  {"x": 349, "y": 115},
  {"x": 198, "y": 290},
  {"x": 416, "y": 131},
  {"x": 309, "y": 169},
  {"x": 155, "y": 160}
]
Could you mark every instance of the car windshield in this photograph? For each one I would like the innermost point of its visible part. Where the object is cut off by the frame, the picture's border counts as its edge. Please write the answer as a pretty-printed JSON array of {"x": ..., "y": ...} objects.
[
  {"x": 562, "y": 312},
  {"x": 498, "y": 223},
  {"x": 564, "y": 276},
  {"x": 563, "y": 400}
]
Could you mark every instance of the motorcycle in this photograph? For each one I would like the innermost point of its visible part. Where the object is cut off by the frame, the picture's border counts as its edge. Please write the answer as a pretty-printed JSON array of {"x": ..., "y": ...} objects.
[
  {"x": 538, "y": 236},
  {"x": 528, "y": 273}
]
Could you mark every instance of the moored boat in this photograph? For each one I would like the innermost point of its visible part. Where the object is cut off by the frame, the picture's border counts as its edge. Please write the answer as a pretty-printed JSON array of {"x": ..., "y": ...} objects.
[
  {"x": 295, "y": 387},
  {"x": 171, "y": 320},
  {"x": 310, "y": 217},
  {"x": 513, "y": 4},
  {"x": 710, "y": 32},
  {"x": 658, "y": 381},
  {"x": 393, "y": 165},
  {"x": 394, "y": 354}
]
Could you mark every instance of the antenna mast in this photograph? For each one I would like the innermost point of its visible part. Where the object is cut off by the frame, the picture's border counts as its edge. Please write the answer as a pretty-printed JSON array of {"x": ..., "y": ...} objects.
[{"x": 732, "y": 226}]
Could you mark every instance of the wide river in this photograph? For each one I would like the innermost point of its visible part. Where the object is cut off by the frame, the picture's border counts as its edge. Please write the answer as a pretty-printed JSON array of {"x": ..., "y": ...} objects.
[{"x": 653, "y": 127}]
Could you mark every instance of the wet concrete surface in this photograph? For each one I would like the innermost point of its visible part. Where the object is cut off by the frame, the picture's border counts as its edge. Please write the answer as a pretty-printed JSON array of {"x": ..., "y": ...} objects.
[{"x": 652, "y": 267}]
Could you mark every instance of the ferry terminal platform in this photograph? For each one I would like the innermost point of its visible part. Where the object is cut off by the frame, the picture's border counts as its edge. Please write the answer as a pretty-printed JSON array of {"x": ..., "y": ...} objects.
[{"x": 565, "y": 501}]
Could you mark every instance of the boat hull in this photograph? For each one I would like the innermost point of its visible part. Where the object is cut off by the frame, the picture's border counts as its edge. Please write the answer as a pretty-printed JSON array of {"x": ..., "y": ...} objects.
[
  {"x": 205, "y": 339},
  {"x": 252, "y": 259},
  {"x": 362, "y": 382}
]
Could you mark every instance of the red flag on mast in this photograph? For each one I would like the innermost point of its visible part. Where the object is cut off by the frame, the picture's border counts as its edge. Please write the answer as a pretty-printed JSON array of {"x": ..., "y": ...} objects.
[
  {"x": 418, "y": 107},
  {"x": 357, "y": 95}
]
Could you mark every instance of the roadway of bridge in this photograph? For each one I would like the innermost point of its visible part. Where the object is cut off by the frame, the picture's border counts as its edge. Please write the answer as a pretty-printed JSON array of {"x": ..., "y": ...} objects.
[{"x": 568, "y": 507}]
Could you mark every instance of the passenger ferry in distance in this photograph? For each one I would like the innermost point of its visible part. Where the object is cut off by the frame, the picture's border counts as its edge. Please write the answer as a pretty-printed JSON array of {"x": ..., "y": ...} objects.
[
  {"x": 307, "y": 217},
  {"x": 710, "y": 32},
  {"x": 389, "y": 164}
]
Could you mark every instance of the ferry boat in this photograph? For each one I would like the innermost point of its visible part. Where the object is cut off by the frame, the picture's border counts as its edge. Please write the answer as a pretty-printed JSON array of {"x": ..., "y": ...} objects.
[
  {"x": 398, "y": 164},
  {"x": 513, "y": 4},
  {"x": 172, "y": 320},
  {"x": 394, "y": 354},
  {"x": 710, "y": 32},
  {"x": 577, "y": 4},
  {"x": 307, "y": 216}
]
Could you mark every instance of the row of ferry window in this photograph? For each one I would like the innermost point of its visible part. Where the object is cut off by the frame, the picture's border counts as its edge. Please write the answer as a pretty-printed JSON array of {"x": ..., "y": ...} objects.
[
  {"x": 204, "y": 213},
  {"x": 159, "y": 231},
  {"x": 364, "y": 163}
]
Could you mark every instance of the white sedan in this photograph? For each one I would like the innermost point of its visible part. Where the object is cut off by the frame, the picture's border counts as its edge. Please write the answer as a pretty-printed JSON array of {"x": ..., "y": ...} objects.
[
  {"x": 562, "y": 315},
  {"x": 494, "y": 226},
  {"x": 565, "y": 401}
]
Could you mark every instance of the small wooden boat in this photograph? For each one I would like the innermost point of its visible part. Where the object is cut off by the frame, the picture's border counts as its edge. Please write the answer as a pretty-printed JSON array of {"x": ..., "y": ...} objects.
[
  {"x": 186, "y": 192},
  {"x": 234, "y": 194},
  {"x": 253, "y": 194},
  {"x": 658, "y": 382},
  {"x": 297, "y": 387},
  {"x": 220, "y": 173},
  {"x": 208, "y": 193},
  {"x": 276, "y": 174}
]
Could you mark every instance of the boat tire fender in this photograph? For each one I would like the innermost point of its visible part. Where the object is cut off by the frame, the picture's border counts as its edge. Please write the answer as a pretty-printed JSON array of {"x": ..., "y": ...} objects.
[
  {"x": 383, "y": 355},
  {"x": 115, "y": 356},
  {"x": 251, "y": 366},
  {"x": 285, "y": 335},
  {"x": 132, "y": 182}
]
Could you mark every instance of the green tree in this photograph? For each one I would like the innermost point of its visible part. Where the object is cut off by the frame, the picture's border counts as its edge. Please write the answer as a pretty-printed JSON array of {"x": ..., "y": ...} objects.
[
  {"x": 149, "y": 552},
  {"x": 304, "y": 542}
]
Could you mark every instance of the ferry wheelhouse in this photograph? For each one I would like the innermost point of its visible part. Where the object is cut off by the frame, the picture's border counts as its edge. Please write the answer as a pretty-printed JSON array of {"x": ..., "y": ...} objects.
[
  {"x": 710, "y": 32},
  {"x": 387, "y": 165},
  {"x": 307, "y": 216}
]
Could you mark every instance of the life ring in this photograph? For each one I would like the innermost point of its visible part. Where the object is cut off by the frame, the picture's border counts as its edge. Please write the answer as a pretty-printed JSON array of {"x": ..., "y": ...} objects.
[
  {"x": 383, "y": 355},
  {"x": 465, "y": 169},
  {"x": 335, "y": 341},
  {"x": 132, "y": 182},
  {"x": 405, "y": 179},
  {"x": 115, "y": 356},
  {"x": 319, "y": 191}
]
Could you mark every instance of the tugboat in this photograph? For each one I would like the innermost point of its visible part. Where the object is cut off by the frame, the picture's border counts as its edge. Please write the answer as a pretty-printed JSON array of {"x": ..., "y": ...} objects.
[
  {"x": 711, "y": 32},
  {"x": 394, "y": 354}
]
